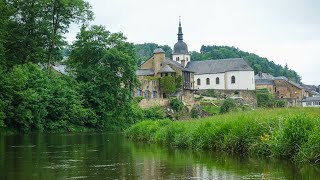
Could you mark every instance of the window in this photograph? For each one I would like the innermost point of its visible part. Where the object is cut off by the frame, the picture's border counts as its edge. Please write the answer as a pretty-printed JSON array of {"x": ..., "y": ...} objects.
[
  {"x": 217, "y": 80},
  {"x": 208, "y": 81},
  {"x": 233, "y": 80},
  {"x": 146, "y": 94},
  {"x": 138, "y": 93},
  {"x": 198, "y": 82},
  {"x": 154, "y": 94},
  {"x": 177, "y": 58},
  {"x": 187, "y": 59},
  {"x": 309, "y": 103}
]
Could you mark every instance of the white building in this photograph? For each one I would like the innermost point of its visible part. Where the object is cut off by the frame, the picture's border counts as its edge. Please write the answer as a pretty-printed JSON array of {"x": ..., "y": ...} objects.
[
  {"x": 310, "y": 102},
  {"x": 222, "y": 74}
]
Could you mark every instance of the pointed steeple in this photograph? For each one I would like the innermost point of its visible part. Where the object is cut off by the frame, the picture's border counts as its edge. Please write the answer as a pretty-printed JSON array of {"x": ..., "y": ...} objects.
[{"x": 180, "y": 35}]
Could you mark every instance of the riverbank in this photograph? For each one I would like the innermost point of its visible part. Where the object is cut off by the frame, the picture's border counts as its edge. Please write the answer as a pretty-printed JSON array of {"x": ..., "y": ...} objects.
[{"x": 290, "y": 133}]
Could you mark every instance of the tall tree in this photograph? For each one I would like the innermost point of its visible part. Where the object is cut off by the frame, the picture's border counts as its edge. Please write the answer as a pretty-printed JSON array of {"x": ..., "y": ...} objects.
[
  {"x": 105, "y": 63},
  {"x": 36, "y": 28},
  {"x": 59, "y": 15}
]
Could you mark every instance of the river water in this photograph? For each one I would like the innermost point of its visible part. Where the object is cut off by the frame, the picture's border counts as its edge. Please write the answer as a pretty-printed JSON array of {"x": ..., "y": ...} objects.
[{"x": 112, "y": 156}]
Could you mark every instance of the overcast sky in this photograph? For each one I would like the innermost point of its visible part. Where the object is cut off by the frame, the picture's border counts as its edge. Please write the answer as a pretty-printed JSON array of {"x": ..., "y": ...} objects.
[{"x": 284, "y": 31}]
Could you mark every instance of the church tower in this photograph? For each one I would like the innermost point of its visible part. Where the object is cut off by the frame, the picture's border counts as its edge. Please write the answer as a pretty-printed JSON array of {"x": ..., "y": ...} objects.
[{"x": 180, "y": 49}]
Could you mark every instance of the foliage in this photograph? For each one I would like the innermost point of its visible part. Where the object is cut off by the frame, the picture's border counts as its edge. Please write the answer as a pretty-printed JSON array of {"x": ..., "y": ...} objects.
[
  {"x": 176, "y": 104},
  {"x": 212, "y": 110},
  {"x": 105, "y": 64},
  {"x": 35, "y": 100},
  {"x": 265, "y": 99},
  {"x": 154, "y": 112},
  {"x": 256, "y": 62},
  {"x": 35, "y": 30},
  {"x": 167, "y": 84},
  {"x": 145, "y": 51},
  {"x": 261, "y": 132},
  {"x": 178, "y": 82},
  {"x": 228, "y": 105}
]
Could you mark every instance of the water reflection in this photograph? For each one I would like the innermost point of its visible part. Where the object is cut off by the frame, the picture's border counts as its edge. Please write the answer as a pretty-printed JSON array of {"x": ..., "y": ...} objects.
[{"x": 111, "y": 156}]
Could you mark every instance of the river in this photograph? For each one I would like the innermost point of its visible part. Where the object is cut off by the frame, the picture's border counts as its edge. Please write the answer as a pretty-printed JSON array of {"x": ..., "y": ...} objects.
[{"x": 112, "y": 156}]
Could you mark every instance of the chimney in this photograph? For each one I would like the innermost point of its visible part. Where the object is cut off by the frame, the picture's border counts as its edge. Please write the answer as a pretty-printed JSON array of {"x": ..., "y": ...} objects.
[{"x": 158, "y": 58}]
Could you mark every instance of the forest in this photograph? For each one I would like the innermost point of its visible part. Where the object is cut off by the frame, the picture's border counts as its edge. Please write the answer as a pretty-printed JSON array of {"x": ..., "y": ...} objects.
[
  {"x": 223, "y": 52},
  {"x": 96, "y": 93}
]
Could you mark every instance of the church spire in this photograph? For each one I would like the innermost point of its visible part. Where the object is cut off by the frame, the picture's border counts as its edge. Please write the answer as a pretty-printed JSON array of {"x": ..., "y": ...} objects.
[{"x": 180, "y": 35}]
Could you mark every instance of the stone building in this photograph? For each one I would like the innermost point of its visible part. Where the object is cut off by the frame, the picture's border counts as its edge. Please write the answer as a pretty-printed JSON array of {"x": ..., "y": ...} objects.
[{"x": 282, "y": 88}]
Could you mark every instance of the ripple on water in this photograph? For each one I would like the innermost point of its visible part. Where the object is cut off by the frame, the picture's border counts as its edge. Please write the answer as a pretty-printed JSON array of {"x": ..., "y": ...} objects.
[
  {"x": 59, "y": 166},
  {"x": 27, "y": 146},
  {"x": 78, "y": 177}
]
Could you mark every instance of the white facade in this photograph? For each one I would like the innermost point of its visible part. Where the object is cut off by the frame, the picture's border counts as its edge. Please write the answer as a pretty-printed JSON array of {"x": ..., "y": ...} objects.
[
  {"x": 243, "y": 80},
  {"x": 180, "y": 58},
  {"x": 311, "y": 104}
]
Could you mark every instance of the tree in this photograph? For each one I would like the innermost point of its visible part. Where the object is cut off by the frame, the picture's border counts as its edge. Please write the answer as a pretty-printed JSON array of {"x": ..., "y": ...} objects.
[
  {"x": 105, "y": 63},
  {"x": 168, "y": 84},
  {"x": 36, "y": 28},
  {"x": 59, "y": 15}
]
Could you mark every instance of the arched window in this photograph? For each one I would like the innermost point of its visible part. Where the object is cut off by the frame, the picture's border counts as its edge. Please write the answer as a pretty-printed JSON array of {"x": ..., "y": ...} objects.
[
  {"x": 233, "y": 80},
  {"x": 217, "y": 80},
  {"x": 208, "y": 81},
  {"x": 198, "y": 82}
]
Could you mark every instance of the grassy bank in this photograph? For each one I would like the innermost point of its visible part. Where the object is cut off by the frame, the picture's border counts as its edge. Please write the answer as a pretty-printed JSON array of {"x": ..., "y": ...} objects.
[{"x": 284, "y": 133}]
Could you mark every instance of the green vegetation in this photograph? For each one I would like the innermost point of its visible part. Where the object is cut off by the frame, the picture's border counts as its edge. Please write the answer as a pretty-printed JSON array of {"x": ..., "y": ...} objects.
[
  {"x": 145, "y": 51},
  {"x": 284, "y": 133},
  {"x": 265, "y": 99},
  {"x": 97, "y": 92}
]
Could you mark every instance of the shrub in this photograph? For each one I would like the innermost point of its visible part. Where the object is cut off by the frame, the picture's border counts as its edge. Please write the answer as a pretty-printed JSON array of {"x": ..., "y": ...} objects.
[
  {"x": 176, "y": 104},
  {"x": 155, "y": 112},
  {"x": 228, "y": 105}
]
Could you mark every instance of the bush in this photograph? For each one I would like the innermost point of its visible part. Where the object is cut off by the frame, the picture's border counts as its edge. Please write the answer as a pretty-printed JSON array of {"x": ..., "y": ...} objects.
[
  {"x": 155, "y": 112},
  {"x": 176, "y": 104},
  {"x": 228, "y": 105}
]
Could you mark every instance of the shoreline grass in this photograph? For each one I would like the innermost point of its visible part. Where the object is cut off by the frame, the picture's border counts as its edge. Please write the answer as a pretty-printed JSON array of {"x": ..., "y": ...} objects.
[{"x": 289, "y": 133}]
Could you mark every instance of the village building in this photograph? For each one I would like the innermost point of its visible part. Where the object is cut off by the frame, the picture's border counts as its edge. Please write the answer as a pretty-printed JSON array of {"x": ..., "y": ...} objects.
[
  {"x": 158, "y": 66},
  {"x": 231, "y": 77},
  {"x": 223, "y": 74},
  {"x": 282, "y": 88},
  {"x": 310, "y": 102}
]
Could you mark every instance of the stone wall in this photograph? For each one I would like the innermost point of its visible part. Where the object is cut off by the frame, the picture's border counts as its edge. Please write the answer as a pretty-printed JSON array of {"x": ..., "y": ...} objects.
[
  {"x": 249, "y": 96},
  {"x": 146, "y": 103}
]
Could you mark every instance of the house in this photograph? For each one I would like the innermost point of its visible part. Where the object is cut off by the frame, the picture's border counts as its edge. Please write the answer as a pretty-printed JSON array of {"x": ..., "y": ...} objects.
[
  {"x": 310, "y": 102},
  {"x": 150, "y": 73},
  {"x": 230, "y": 76},
  {"x": 282, "y": 88},
  {"x": 223, "y": 74},
  {"x": 265, "y": 81}
]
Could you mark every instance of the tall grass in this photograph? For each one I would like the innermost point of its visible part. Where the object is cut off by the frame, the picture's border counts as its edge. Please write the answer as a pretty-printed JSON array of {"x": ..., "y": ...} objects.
[{"x": 291, "y": 133}]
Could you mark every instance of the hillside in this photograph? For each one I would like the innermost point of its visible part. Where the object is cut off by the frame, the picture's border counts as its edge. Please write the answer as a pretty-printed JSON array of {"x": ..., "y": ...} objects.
[{"x": 258, "y": 63}]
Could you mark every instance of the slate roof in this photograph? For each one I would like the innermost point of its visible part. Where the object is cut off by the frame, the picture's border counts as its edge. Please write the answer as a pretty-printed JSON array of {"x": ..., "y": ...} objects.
[
  {"x": 176, "y": 64},
  {"x": 158, "y": 50},
  {"x": 290, "y": 82},
  {"x": 166, "y": 69},
  {"x": 264, "y": 82},
  {"x": 308, "y": 99},
  {"x": 263, "y": 76},
  {"x": 218, "y": 66},
  {"x": 180, "y": 48},
  {"x": 144, "y": 72}
]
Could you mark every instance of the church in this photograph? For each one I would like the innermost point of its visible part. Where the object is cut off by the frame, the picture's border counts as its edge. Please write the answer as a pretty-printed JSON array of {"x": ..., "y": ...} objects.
[{"x": 224, "y": 74}]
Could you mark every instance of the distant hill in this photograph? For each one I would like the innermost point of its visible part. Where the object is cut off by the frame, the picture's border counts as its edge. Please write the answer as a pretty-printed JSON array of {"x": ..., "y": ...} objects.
[{"x": 258, "y": 63}]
